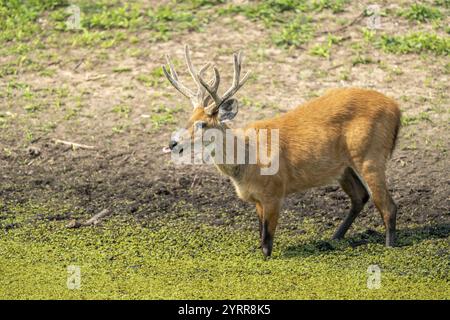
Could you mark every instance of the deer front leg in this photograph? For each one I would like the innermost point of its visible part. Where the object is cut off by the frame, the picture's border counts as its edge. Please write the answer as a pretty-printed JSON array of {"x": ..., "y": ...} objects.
[
  {"x": 260, "y": 212},
  {"x": 269, "y": 223}
]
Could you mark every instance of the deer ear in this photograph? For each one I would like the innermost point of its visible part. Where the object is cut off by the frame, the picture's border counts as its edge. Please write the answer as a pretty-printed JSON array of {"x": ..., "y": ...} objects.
[{"x": 228, "y": 110}]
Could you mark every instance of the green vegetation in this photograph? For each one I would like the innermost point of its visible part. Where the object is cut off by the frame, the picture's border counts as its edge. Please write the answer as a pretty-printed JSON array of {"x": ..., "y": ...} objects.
[
  {"x": 295, "y": 33},
  {"x": 336, "y": 6},
  {"x": 163, "y": 19},
  {"x": 447, "y": 68},
  {"x": 172, "y": 258},
  {"x": 321, "y": 50},
  {"x": 99, "y": 21},
  {"x": 408, "y": 120},
  {"x": 18, "y": 19},
  {"x": 416, "y": 42},
  {"x": 120, "y": 128},
  {"x": 122, "y": 110},
  {"x": 126, "y": 16},
  {"x": 162, "y": 115},
  {"x": 270, "y": 12},
  {"x": 166, "y": 20},
  {"x": 154, "y": 79},
  {"x": 289, "y": 19},
  {"x": 360, "y": 59},
  {"x": 291, "y": 22},
  {"x": 421, "y": 13},
  {"x": 122, "y": 69},
  {"x": 324, "y": 49}
]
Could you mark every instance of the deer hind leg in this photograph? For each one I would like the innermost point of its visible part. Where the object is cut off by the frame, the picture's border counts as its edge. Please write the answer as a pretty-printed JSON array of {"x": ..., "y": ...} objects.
[
  {"x": 359, "y": 196},
  {"x": 269, "y": 223},
  {"x": 373, "y": 174}
]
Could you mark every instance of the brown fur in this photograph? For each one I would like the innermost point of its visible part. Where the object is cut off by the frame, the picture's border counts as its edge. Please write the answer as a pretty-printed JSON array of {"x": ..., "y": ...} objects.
[{"x": 346, "y": 135}]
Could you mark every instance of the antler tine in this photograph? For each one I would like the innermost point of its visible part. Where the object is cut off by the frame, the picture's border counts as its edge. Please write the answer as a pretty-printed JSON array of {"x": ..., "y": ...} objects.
[
  {"x": 237, "y": 68},
  {"x": 190, "y": 66},
  {"x": 237, "y": 84},
  {"x": 236, "y": 88},
  {"x": 172, "y": 69},
  {"x": 183, "y": 90},
  {"x": 192, "y": 70},
  {"x": 212, "y": 83},
  {"x": 200, "y": 74},
  {"x": 212, "y": 89},
  {"x": 204, "y": 68},
  {"x": 173, "y": 79},
  {"x": 196, "y": 76}
]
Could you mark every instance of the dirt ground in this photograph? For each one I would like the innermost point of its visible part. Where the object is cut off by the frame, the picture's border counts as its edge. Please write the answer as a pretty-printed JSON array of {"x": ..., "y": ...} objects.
[{"x": 126, "y": 171}]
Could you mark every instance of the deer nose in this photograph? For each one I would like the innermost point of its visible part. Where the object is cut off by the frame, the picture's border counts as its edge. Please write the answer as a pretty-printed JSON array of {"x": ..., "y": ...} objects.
[{"x": 172, "y": 144}]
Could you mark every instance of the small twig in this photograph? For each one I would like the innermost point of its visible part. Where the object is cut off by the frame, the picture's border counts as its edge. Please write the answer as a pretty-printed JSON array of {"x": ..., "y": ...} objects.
[
  {"x": 128, "y": 157},
  {"x": 36, "y": 139},
  {"x": 193, "y": 181},
  {"x": 73, "y": 144},
  {"x": 97, "y": 77},
  {"x": 345, "y": 38},
  {"x": 336, "y": 66},
  {"x": 78, "y": 64},
  {"x": 52, "y": 63},
  {"x": 357, "y": 19},
  {"x": 95, "y": 220}
]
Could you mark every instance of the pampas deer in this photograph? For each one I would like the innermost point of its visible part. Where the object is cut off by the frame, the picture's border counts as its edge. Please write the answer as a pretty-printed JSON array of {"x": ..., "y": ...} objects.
[{"x": 345, "y": 135}]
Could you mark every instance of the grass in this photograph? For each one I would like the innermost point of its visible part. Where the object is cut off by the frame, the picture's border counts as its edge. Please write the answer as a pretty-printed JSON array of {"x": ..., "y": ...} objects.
[
  {"x": 18, "y": 19},
  {"x": 321, "y": 50},
  {"x": 167, "y": 20},
  {"x": 169, "y": 259},
  {"x": 100, "y": 23},
  {"x": 292, "y": 23},
  {"x": 122, "y": 110},
  {"x": 163, "y": 116},
  {"x": 126, "y": 16},
  {"x": 421, "y": 13},
  {"x": 324, "y": 49},
  {"x": 290, "y": 20},
  {"x": 163, "y": 19},
  {"x": 361, "y": 59},
  {"x": 447, "y": 68},
  {"x": 154, "y": 79},
  {"x": 122, "y": 69},
  {"x": 409, "y": 120},
  {"x": 294, "y": 33},
  {"x": 336, "y": 6},
  {"x": 120, "y": 128},
  {"x": 416, "y": 42}
]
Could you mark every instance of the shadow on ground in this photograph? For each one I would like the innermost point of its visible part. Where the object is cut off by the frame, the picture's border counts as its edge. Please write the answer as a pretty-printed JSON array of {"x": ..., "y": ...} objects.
[{"x": 405, "y": 237}]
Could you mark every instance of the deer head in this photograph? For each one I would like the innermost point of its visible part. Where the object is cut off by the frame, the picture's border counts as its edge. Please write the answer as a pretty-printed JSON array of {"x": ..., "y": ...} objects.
[{"x": 210, "y": 109}]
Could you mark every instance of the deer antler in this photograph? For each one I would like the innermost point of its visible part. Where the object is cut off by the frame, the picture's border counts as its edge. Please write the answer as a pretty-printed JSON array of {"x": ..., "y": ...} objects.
[
  {"x": 173, "y": 78},
  {"x": 212, "y": 90},
  {"x": 199, "y": 98}
]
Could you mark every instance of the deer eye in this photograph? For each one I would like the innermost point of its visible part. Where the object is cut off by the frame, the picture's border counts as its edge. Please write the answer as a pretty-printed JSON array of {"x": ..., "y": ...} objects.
[{"x": 200, "y": 125}]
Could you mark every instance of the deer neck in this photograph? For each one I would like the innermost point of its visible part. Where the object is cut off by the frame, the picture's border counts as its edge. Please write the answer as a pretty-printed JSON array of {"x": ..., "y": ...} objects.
[{"x": 239, "y": 145}]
